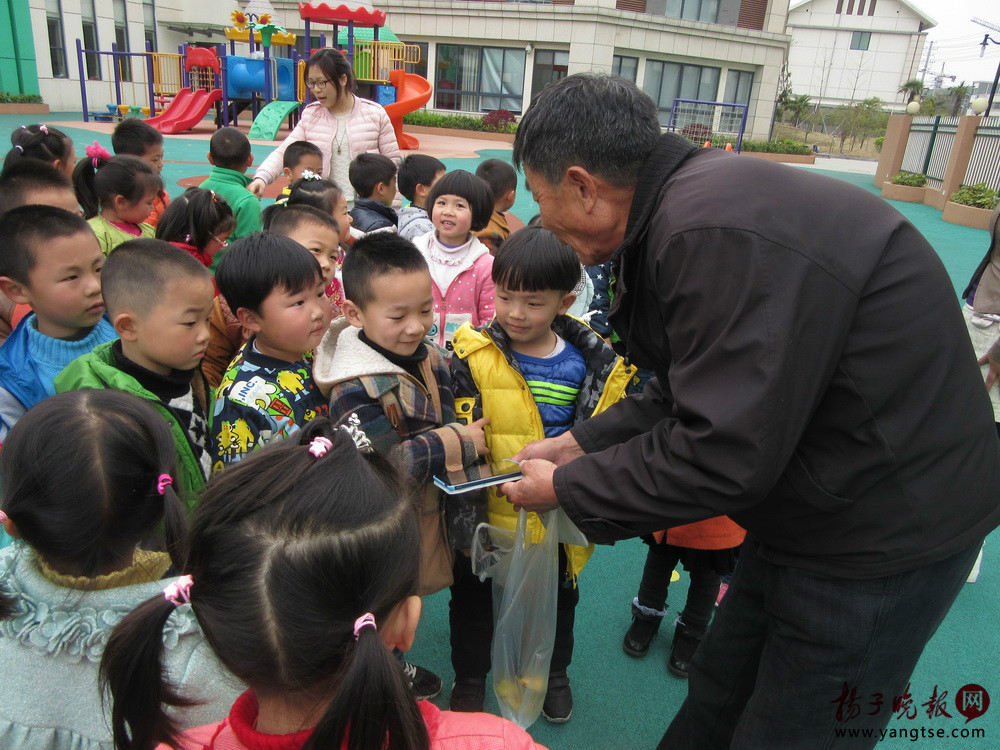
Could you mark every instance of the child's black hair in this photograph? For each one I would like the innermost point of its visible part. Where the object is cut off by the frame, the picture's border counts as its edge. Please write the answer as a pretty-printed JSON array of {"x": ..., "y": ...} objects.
[
  {"x": 417, "y": 169},
  {"x": 316, "y": 192},
  {"x": 296, "y": 150},
  {"x": 334, "y": 64},
  {"x": 26, "y": 228},
  {"x": 499, "y": 175},
  {"x": 534, "y": 260},
  {"x": 26, "y": 178},
  {"x": 255, "y": 266},
  {"x": 230, "y": 149},
  {"x": 287, "y": 219},
  {"x": 39, "y": 142},
  {"x": 465, "y": 185},
  {"x": 126, "y": 175},
  {"x": 195, "y": 218},
  {"x": 86, "y": 506},
  {"x": 368, "y": 170},
  {"x": 135, "y": 136},
  {"x": 136, "y": 274},
  {"x": 287, "y": 550},
  {"x": 376, "y": 255}
]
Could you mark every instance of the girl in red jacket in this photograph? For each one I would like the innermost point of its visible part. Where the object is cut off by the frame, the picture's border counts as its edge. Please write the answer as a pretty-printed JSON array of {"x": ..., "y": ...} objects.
[{"x": 289, "y": 577}]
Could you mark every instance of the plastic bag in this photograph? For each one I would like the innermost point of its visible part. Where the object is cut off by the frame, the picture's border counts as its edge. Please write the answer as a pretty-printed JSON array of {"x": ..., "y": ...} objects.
[{"x": 525, "y": 583}]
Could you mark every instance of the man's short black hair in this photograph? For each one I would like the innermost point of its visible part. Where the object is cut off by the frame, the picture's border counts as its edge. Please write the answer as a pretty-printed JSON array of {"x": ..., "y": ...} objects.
[
  {"x": 27, "y": 177},
  {"x": 499, "y": 175},
  {"x": 377, "y": 255},
  {"x": 255, "y": 266},
  {"x": 135, "y": 136},
  {"x": 417, "y": 169},
  {"x": 286, "y": 219},
  {"x": 368, "y": 170},
  {"x": 230, "y": 149},
  {"x": 465, "y": 185},
  {"x": 136, "y": 274},
  {"x": 26, "y": 228},
  {"x": 534, "y": 260},
  {"x": 296, "y": 150}
]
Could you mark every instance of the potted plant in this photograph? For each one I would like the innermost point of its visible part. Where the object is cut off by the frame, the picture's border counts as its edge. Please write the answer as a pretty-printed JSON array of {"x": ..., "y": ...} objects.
[
  {"x": 905, "y": 186},
  {"x": 971, "y": 206}
]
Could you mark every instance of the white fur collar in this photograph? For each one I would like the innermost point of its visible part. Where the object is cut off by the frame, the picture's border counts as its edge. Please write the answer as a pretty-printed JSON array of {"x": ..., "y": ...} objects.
[{"x": 341, "y": 356}]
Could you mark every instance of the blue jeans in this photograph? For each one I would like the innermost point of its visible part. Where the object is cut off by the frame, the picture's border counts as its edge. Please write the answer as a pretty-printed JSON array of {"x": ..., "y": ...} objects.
[{"x": 772, "y": 670}]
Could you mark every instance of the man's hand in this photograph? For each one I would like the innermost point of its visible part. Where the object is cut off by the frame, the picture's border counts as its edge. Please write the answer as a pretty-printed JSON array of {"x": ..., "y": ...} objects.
[
  {"x": 535, "y": 492},
  {"x": 559, "y": 450},
  {"x": 257, "y": 186},
  {"x": 992, "y": 358}
]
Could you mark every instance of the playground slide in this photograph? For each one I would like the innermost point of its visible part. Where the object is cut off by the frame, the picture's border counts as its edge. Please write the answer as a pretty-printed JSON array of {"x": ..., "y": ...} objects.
[
  {"x": 412, "y": 92},
  {"x": 268, "y": 121},
  {"x": 186, "y": 110}
]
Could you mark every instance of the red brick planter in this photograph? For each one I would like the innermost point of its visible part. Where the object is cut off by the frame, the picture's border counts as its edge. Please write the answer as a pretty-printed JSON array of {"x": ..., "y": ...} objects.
[
  {"x": 908, "y": 193},
  {"x": 968, "y": 216}
]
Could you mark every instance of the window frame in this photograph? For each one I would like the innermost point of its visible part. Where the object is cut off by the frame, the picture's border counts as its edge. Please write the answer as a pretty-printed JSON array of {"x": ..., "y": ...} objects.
[
  {"x": 54, "y": 27},
  {"x": 505, "y": 101},
  {"x": 861, "y": 37}
]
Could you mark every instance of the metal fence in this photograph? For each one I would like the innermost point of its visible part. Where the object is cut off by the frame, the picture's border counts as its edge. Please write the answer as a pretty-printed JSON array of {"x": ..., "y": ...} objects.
[
  {"x": 984, "y": 163},
  {"x": 928, "y": 148}
]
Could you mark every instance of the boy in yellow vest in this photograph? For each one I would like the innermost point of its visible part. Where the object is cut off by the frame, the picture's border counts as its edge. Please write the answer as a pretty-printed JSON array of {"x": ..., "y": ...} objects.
[{"x": 534, "y": 372}]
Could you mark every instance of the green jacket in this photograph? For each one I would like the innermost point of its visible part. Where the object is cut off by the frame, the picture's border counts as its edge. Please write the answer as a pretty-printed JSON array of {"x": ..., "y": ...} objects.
[
  {"x": 232, "y": 186},
  {"x": 97, "y": 371}
]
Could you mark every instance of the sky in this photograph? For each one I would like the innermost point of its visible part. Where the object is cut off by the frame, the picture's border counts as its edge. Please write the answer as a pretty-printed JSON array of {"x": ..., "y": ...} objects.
[{"x": 957, "y": 39}]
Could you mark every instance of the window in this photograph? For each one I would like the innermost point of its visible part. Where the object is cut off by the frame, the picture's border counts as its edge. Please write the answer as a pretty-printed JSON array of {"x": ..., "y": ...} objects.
[
  {"x": 860, "y": 40},
  {"x": 550, "y": 66},
  {"x": 626, "y": 67},
  {"x": 149, "y": 23},
  {"x": 738, "y": 85},
  {"x": 121, "y": 39},
  {"x": 706, "y": 11},
  {"x": 88, "y": 17},
  {"x": 57, "y": 40},
  {"x": 666, "y": 81},
  {"x": 479, "y": 79}
]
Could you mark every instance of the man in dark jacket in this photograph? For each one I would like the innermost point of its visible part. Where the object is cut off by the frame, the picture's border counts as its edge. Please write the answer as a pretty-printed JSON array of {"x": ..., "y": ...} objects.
[{"x": 814, "y": 382}]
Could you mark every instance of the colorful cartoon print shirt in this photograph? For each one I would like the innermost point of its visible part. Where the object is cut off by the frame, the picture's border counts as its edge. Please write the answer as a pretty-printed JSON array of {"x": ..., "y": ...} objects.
[{"x": 261, "y": 399}]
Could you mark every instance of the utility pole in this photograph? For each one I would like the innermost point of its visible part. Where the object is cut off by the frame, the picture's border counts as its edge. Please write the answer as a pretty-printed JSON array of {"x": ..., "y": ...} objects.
[{"x": 927, "y": 63}]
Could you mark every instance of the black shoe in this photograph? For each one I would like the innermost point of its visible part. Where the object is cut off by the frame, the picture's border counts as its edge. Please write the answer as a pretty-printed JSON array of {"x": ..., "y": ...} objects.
[
  {"x": 640, "y": 633},
  {"x": 468, "y": 694},
  {"x": 558, "y": 705},
  {"x": 425, "y": 683},
  {"x": 686, "y": 642}
]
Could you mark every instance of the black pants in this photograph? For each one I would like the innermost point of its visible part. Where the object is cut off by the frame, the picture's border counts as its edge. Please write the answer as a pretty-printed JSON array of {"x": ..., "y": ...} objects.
[
  {"x": 471, "y": 618},
  {"x": 661, "y": 559}
]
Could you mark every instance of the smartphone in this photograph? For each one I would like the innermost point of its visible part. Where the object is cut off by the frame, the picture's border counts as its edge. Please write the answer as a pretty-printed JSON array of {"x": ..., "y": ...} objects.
[{"x": 479, "y": 476}]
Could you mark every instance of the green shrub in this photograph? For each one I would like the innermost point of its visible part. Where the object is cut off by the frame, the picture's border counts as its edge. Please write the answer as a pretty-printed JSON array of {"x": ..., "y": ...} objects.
[
  {"x": 778, "y": 146},
  {"x": 6, "y": 98},
  {"x": 461, "y": 122},
  {"x": 978, "y": 196},
  {"x": 879, "y": 142},
  {"x": 910, "y": 179}
]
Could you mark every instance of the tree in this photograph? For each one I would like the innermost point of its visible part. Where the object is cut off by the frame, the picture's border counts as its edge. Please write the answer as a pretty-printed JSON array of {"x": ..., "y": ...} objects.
[
  {"x": 784, "y": 93},
  {"x": 799, "y": 107},
  {"x": 912, "y": 88},
  {"x": 958, "y": 95}
]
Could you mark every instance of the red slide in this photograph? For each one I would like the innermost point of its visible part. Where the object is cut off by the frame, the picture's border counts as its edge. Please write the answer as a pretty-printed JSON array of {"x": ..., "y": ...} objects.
[
  {"x": 412, "y": 92},
  {"x": 186, "y": 110}
]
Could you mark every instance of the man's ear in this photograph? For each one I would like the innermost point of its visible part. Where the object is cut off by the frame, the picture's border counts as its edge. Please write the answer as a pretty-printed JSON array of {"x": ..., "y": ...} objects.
[
  {"x": 583, "y": 186},
  {"x": 421, "y": 191},
  {"x": 287, "y": 171},
  {"x": 567, "y": 303},
  {"x": 353, "y": 314},
  {"x": 400, "y": 628},
  {"x": 210, "y": 159},
  {"x": 124, "y": 324},
  {"x": 248, "y": 319},
  {"x": 250, "y": 160},
  {"x": 15, "y": 290}
]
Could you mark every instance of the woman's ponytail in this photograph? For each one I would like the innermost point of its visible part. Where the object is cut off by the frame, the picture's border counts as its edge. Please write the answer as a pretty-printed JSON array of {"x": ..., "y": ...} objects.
[{"x": 83, "y": 185}]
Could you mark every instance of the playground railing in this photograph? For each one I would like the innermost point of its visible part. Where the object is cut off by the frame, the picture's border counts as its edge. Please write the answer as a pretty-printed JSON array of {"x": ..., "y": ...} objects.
[
  {"x": 168, "y": 73},
  {"x": 373, "y": 60}
]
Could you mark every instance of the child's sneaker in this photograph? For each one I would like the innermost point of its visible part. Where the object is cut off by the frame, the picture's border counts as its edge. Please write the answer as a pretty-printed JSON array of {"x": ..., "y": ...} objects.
[
  {"x": 468, "y": 694},
  {"x": 558, "y": 705},
  {"x": 425, "y": 683}
]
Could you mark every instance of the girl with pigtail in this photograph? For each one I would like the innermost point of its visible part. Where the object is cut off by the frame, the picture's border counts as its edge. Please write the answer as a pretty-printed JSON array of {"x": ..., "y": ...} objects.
[
  {"x": 86, "y": 476},
  {"x": 116, "y": 194},
  {"x": 41, "y": 142},
  {"x": 304, "y": 563},
  {"x": 199, "y": 222}
]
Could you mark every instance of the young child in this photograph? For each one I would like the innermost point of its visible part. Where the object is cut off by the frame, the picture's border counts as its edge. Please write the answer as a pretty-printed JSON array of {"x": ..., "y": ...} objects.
[
  {"x": 373, "y": 177},
  {"x": 117, "y": 194},
  {"x": 460, "y": 265},
  {"x": 311, "y": 190},
  {"x": 86, "y": 476},
  {"x": 199, "y": 222},
  {"x": 230, "y": 156},
  {"x": 534, "y": 372},
  {"x": 50, "y": 260},
  {"x": 302, "y": 575},
  {"x": 502, "y": 179},
  {"x": 417, "y": 175},
  {"x": 41, "y": 142},
  {"x": 139, "y": 138},
  {"x": 300, "y": 158},
  {"x": 275, "y": 287},
  {"x": 159, "y": 299}
]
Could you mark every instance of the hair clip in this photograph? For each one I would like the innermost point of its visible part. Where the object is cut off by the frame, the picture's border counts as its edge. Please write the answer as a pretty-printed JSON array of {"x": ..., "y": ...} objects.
[
  {"x": 353, "y": 428},
  {"x": 187, "y": 238},
  {"x": 308, "y": 174},
  {"x": 215, "y": 198},
  {"x": 179, "y": 592},
  {"x": 163, "y": 482},
  {"x": 319, "y": 446},
  {"x": 44, "y": 129},
  {"x": 3, "y": 517},
  {"x": 19, "y": 147},
  {"x": 367, "y": 620},
  {"x": 96, "y": 152}
]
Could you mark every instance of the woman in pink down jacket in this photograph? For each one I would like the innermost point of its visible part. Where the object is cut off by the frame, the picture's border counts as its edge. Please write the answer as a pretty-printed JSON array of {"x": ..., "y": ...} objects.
[{"x": 341, "y": 124}]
